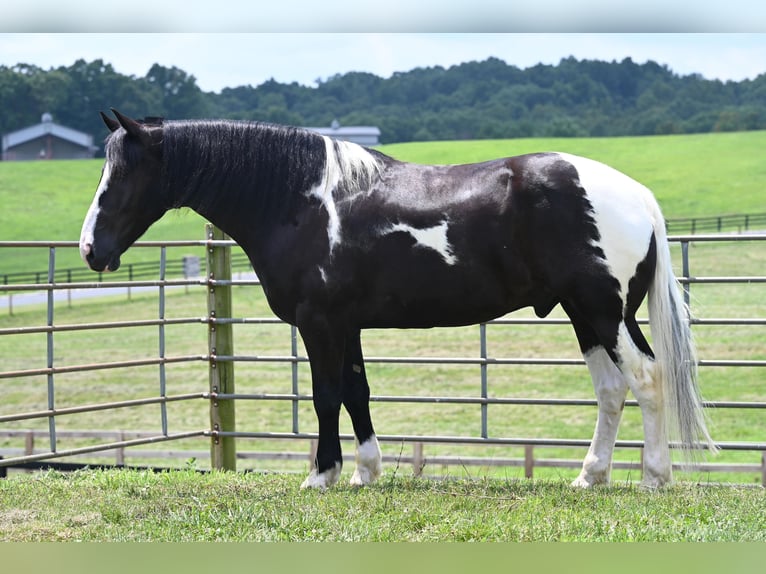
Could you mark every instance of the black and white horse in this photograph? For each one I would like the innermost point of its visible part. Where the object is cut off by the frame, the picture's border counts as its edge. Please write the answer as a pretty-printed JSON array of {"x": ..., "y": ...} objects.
[{"x": 345, "y": 238}]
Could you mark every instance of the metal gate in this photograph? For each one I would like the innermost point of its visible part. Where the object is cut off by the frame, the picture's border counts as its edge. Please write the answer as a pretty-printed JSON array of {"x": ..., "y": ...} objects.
[{"x": 217, "y": 361}]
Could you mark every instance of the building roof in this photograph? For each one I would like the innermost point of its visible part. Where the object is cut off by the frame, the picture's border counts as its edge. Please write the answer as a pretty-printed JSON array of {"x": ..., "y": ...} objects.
[
  {"x": 348, "y": 132},
  {"x": 45, "y": 127}
]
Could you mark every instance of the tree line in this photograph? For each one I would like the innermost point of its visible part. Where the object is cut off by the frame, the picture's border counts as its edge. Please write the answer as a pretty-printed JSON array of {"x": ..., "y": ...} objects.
[{"x": 473, "y": 100}]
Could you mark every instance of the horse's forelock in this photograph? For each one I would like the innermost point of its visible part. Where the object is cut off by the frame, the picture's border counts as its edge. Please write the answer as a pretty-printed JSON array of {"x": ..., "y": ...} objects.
[{"x": 121, "y": 152}]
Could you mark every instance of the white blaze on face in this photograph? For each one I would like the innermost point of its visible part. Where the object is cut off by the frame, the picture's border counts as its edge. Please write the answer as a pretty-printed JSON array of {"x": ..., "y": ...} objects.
[
  {"x": 430, "y": 238},
  {"x": 88, "y": 226}
]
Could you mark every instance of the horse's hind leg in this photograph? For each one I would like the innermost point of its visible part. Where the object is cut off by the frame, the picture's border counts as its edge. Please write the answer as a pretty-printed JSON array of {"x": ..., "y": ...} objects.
[
  {"x": 611, "y": 388},
  {"x": 356, "y": 399},
  {"x": 631, "y": 365},
  {"x": 644, "y": 380}
]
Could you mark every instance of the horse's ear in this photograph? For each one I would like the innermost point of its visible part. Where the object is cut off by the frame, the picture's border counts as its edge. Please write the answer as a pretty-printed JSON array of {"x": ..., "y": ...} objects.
[
  {"x": 133, "y": 128},
  {"x": 110, "y": 123}
]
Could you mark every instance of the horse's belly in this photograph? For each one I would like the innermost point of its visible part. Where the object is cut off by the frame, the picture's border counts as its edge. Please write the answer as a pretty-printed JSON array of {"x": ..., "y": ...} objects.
[{"x": 423, "y": 299}]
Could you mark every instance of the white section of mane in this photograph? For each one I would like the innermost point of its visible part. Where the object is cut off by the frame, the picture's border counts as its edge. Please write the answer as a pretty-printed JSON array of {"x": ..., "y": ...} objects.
[{"x": 352, "y": 162}]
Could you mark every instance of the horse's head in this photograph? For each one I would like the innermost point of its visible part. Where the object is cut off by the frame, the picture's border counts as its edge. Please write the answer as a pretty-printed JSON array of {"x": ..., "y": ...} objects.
[{"x": 129, "y": 197}]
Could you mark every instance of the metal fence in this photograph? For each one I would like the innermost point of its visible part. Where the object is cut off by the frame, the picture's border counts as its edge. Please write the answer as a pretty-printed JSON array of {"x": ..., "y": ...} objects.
[
  {"x": 219, "y": 396},
  {"x": 739, "y": 222}
]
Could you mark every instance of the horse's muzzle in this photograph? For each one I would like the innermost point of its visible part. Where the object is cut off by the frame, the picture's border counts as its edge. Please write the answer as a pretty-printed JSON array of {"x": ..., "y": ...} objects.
[{"x": 99, "y": 264}]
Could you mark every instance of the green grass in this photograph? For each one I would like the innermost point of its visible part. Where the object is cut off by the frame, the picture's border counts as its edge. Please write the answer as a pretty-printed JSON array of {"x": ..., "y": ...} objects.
[
  {"x": 691, "y": 175},
  {"x": 185, "y": 506}
]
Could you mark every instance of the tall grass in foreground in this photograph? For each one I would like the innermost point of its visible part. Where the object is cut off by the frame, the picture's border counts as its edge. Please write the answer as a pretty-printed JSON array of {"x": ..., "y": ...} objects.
[{"x": 186, "y": 506}]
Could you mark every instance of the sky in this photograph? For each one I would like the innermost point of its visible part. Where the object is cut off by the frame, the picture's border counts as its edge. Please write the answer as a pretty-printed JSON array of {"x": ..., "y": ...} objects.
[
  {"x": 229, "y": 43},
  {"x": 220, "y": 60}
]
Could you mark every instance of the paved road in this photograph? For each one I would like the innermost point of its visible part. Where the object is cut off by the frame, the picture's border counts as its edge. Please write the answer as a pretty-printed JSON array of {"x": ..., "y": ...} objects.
[{"x": 23, "y": 298}]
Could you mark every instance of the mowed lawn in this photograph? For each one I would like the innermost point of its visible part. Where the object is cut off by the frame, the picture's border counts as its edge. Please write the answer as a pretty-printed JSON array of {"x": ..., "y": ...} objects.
[
  {"x": 184, "y": 506},
  {"x": 691, "y": 175}
]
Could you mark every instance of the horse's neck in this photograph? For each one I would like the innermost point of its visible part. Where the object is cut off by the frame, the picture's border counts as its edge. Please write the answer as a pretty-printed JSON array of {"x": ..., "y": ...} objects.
[{"x": 241, "y": 201}]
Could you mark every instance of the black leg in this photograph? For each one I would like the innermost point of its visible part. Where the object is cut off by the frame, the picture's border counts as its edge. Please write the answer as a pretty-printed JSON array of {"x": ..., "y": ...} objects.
[
  {"x": 356, "y": 399},
  {"x": 356, "y": 390},
  {"x": 324, "y": 346}
]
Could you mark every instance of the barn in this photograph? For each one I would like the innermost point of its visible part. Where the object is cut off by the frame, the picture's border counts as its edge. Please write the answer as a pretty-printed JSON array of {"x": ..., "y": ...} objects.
[
  {"x": 362, "y": 135},
  {"x": 47, "y": 140}
]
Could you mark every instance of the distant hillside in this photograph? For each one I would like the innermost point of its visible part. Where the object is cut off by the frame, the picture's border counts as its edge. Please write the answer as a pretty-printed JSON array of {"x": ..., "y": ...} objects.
[{"x": 474, "y": 100}]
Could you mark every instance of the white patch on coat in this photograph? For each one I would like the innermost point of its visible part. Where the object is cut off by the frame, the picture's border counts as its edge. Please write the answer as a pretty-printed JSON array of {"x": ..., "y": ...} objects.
[
  {"x": 352, "y": 162},
  {"x": 86, "y": 234},
  {"x": 430, "y": 238},
  {"x": 322, "y": 480},
  {"x": 368, "y": 462},
  {"x": 623, "y": 212}
]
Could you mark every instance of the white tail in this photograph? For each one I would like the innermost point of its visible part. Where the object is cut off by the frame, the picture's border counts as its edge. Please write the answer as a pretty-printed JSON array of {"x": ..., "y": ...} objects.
[{"x": 675, "y": 353}]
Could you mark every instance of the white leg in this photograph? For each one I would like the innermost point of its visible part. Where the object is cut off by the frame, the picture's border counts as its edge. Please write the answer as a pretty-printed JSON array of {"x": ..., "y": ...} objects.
[
  {"x": 322, "y": 480},
  {"x": 611, "y": 388},
  {"x": 646, "y": 386},
  {"x": 368, "y": 462}
]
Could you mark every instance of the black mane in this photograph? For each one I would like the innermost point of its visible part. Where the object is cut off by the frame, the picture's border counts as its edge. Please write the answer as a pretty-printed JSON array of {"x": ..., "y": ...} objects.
[{"x": 207, "y": 162}]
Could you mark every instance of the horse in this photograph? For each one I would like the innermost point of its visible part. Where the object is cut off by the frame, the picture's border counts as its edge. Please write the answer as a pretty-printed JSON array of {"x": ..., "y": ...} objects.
[{"x": 345, "y": 238}]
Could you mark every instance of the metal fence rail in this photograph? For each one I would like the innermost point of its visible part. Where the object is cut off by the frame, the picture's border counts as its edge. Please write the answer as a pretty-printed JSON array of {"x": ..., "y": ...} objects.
[{"x": 220, "y": 360}]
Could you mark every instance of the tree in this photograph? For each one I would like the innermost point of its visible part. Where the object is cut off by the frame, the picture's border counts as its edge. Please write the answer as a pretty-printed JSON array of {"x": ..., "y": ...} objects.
[
  {"x": 486, "y": 99},
  {"x": 181, "y": 98}
]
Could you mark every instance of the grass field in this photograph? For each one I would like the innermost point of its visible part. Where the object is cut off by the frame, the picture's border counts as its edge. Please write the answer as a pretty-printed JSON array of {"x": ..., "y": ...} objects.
[
  {"x": 140, "y": 506},
  {"x": 691, "y": 175}
]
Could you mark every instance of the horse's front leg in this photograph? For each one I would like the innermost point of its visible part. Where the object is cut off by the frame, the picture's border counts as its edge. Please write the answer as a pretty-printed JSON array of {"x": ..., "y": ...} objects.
[
  {"x": 325, "y": 351},
  {"x": 356, "y": 399}
]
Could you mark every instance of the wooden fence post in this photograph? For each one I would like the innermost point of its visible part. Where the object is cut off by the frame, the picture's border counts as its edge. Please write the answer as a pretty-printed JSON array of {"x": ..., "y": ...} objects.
[
  {"x": 529, "y": 461},
  {"x": 223, "y": 453},
  {"x": 313, "y": 447},
  {"x": 418, "y": 460}
]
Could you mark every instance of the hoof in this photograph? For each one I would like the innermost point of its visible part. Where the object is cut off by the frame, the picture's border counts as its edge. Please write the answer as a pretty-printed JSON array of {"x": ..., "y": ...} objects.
[
  {"x": 322, "y": 480},
  {"x": 589, "y": 481},
  {"x": 653, "y": 485},
  {"x": 368, "y": 463},
  {"x": 364, "y": 476}
]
